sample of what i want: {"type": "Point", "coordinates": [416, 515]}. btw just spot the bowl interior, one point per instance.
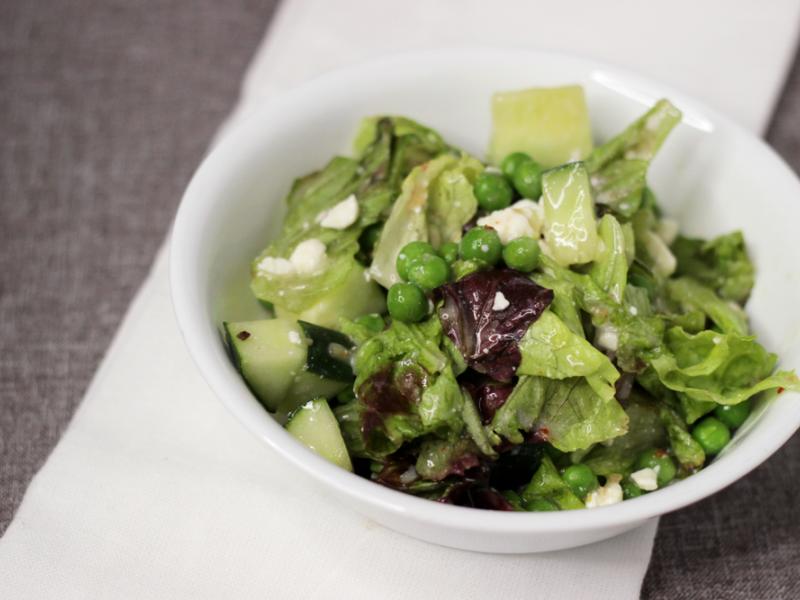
{"type": "Point", "coordinates": [710, 175]}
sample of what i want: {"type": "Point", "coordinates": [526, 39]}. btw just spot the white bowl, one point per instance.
{"type": "Point", "coordinates": [711, 174]}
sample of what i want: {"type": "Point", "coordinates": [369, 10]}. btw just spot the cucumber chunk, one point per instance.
{"type": "Point", "coordinates": [316, 427]}
{"type": "Point", "coordinates": [272, 355]}
{"type": "Point", "coordinates": [329, 352]}
{"type": "Point", "coordinates": [550, 124]}
{"type": "Point", "coordinates": [569, 221]}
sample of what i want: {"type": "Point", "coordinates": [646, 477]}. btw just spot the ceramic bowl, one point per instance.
{"type": "Point", "coordinates": [711, 175]}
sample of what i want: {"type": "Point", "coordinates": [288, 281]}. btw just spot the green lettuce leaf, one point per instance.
{"type": "Point", "coordinates": [687, 450]}
{"type": "Point", "coordinates": [439, 458]}
{"type": "Point", "coordinates": [549, 349]}
{"type": "Point", "coordinates": [435, 202]}
{"type": "Point", "coordinates": [645, 430]}
{"type": "Point", "coordinates": [719, 368]}
{"type": "Point", "coordinates": [693, 295]}
{"type": "Point", "coordinates": [610, 269]}
{"type": "Point", "coordinates": [722, 264]}
{"type": "Point", "coordinates": [520, 411]}
{"type": "Point", "coordinates": [619, 166]}
{"type": "Point", "coordinates": [548, 485]}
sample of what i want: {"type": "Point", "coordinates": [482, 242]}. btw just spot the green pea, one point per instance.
{"type": "Point", "coordinates": [528, 180]}
{"type": "Point", "coordinates": [428, 271]}
{"type": "Point", "coordinates": [712, 435]}
{"type": "Point", "coordinates": [407, 302]}
{"type": "Point", "coordinates": [409, 252]}
{"type": "Point", "coordinates": [449, 252]}
{"type": "Point", "coordinates": [482, 245]}
{"type": "Point", "coordinates": [492, 191]}
{"type": "Point", "coordinates": [733, 415]}
{"type": "Point", "coordinates": [580, 478]}
{"type": "Point", "coordinates": [540, 505]}
{"type": "Point", "coordinates": [631, 490]}
{"type": "Point", "coordinates": [660, 461]}
{"type": "Point", "coordinates": [374, 322]}
{"type": "Point", "coordinates": [522, 254]}
{"type": "Point", "coordinates": [512, 162]}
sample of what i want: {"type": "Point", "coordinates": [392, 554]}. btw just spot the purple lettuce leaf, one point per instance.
{"type": "Point", "coordinates": [488, 338]}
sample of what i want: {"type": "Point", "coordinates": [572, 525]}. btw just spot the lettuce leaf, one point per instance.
{"type": "Point", "coordinates": [435, 202]}
{"type": "Point", "coordinates": [548, 485]}
{"type": "Point", "coordinates": [549, 349]}
{"type": "Point", "coordinates": [693, 295]}
{"type": "Point", "coordinates": [610, 269]}
{"type": "Point", "coordinates": [519, 413]}
{"type": "Point", "coordinates": [687, 450]}
{"type": "Point", "coordinates": [722, 264]}
{"type": "Point", "coordinates": [717, 367]}
{"type": "Point", "coordinates": [619, 166]}
{"type": "Point", "coordinates": [645, 430]}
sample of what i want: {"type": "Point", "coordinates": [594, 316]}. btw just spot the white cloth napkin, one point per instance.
{"type": "Point", "coordinates": [156, 492]}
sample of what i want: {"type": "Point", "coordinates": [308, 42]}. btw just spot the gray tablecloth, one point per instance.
{"type": "Point", "coordinates": [105, 110]}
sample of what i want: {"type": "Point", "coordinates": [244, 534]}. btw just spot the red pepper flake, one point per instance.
{"type": "Point", "coordinates": [661, 453]}
{"type": "Point", "coordinates": [243, 335]}
{"type": "Point", "coordinates": [781, 390]}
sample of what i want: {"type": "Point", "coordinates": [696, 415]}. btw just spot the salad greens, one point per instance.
{"type": "Point", "coordinates": [534, 337]}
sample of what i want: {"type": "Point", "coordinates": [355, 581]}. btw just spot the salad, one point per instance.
{"type": "Point", "coordinates": [526, 333]}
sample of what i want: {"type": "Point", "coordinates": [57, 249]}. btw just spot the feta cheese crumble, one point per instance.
{"type": "Point", "coordinates": [606, 495]}
{"type": "Point", "coordinates": [523, 218]}
{"type": "Point", "coordinates": [606, 336]}
{"type": "Point", "coordinates": [308, 258]}
{"type": "Point", "coordinates": [295, 338]}
{"type": "Point", "coordinates": [341, 216]}
{"type": "Point", "coordinates": [500, 302]}
{"type": "Point", "coordinates": [647, 479]}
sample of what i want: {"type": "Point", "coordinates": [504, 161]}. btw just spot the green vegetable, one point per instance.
{"type": "Point", "coordinates": [407, 302]}
{"type": "Point", "coordinates": [619, 166]}
{"type": "Point", "coordinates": [522, 254]}
{"type": "Point", "coordinates": [550, 124]}
{"type": "Point", "coordinates": [581, 479]}
{"type": "Point", "coordinates": [659, 461]}
{"type": "Point", "coordinates": [689, 453]}
{"type": "Point", "coordinates": [570, 226]}
{"type": "Point", "coordinates": [538, 504]}
{"type": "Point", "coordinates": [549, 349]}
{"type": "Point", "coordinates": [521, 409]}
{"type": "Point", "coordinates": [411, 251]}
{"type": "Point", "coordinates": [512, 162]}
{"type": "Point", "coordinates": [631, 490]}
{"type": "Point", "coordinates": [712, 435]}
{"type": "Point", "coordinates": [644, 431]}
{"type": "Point", "coordinates": [610, 268]}
{"type": "Point", "coordinates": [449, 252]}
{"type": "Point", "coordinates": [733, 415]}
{"type": "Point", "coordinates": [718, 368]}
{"type": "Point", "coordinates": [528, 179]}
{"type": "Point", "coordinates": [436, 201]}
{"type": "Point", "coordinates": [481, 244]}
{"type": "Point", "coordinates": [547, 485]}
{"type": "Point", "coordinates": [436, 456]}
{"type": "Point", "coordinates": [441, 403]}
{"type": "Point", "coordinates": [373, 322]}
{"type": "Point", "coordinates": [315, 426]}
{"type": "Point", "coordinates": [722, 264]}
{"type": "Point", "coordinates": [493, 191]}
{"type": "Point", "coordinates": [428, 271]}
{"type": "Point", "coordinates": [692, 295]}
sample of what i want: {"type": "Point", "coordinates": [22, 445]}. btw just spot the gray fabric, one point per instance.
{"type": "Point", "coordinates": [105, 109]}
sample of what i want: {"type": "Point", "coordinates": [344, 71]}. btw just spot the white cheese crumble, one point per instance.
{"type": "Point", "coordinates": [341, 216]}
{"type": "Point", "coordinates": [610, 493]}
{"type": "Point", "coordinates": [308, 257]}
{"type": "Point", "coordinates": [647, 479]}
{"type": "Point", "coordinates": [493, 169]}
{"type": "Point", "coordinates": [295, 338]}
{"type": "Point", "coordinates": [523, 218]}
{"type": "Point", "coordinates": [500, 302]}
{"type": "Point", "coordinates": [633, 310]}
{"type": "Point", "coordinates": [606, 336]}
{"type": "Point", "coordinates": [663, 259]}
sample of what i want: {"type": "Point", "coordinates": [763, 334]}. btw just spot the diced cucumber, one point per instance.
{"type": "Point", "coordinates": [550, 124]}
{"type": "Point", "coordinates": [315, 426]}
{"type": "Point", "coordinates": [569, 221]}
{"type": "Point", "coordinates": [357, 295]}
{"type": "Point", "coordinates": [272, 356]}
{"type": "Point", "coordinates": [329, 352]}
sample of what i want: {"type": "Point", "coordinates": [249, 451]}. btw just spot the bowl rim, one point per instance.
{"type": "Point", "coordinates": [192, 323]}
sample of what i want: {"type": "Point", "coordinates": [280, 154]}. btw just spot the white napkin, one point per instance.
{"type": "Point", "coordinates": [156, 492]}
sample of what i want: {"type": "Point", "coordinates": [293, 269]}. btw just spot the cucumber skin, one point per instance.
{"type": "Point", "coordinates": [315, 426]}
